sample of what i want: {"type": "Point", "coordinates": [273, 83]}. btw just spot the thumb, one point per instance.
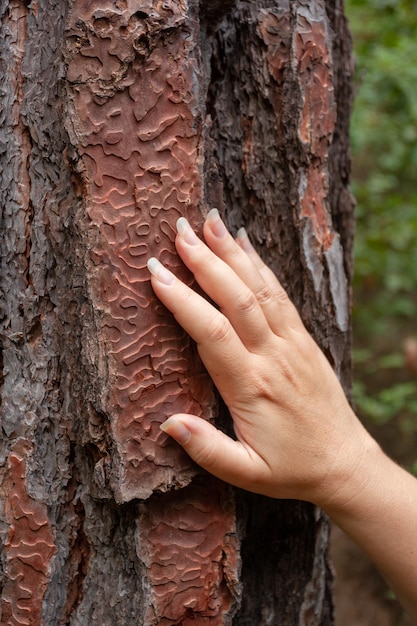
{"type": "Point", "coordinates": [214, 451]}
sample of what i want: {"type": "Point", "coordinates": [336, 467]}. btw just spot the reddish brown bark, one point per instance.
{"type": "Point", "coordinates": [118, 118]}
{"type": "Point", "coordinates": [134, 97]}
{"type": "Point", "coordinates": [28, 549]}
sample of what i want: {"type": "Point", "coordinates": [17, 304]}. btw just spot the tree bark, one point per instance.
{"type": "Point", "coordinates": [117, 118]}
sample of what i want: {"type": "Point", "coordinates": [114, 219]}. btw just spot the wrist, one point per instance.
{"type": "Point", "coordinates": [356, 477]}
{"type": "Point", "coordinates": [377, 507]}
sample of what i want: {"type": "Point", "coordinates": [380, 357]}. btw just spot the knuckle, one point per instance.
{"type": "Point", "coordinates": [264, 294]}
{"type": "Point", "coordinates": [281, 295]}
{"type": "Point", "coordinates": [218, 330]}
{"type": "Point", "coordinates": [246, 300]}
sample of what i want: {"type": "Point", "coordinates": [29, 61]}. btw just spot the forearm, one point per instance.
{"type": "Point", "coordinates": [381, 517]}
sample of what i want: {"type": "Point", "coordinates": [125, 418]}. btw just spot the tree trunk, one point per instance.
{"type": "Point", "coordinates": [118, 117]}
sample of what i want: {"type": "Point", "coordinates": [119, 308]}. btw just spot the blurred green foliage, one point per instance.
{"type": "Point", "coordinates": [384, 150]}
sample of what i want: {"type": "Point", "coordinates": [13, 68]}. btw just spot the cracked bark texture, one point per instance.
{"type": "Point", "coordinates": [117, 117]}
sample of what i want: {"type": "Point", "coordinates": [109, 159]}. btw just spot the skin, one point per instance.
{"type": "Point", "coordinates": [296, 434]}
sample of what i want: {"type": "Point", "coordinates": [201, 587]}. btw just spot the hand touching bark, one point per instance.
{"type": "Point", "coordinates": [292, 422]}
{"type": "Point", "coordinates": [296, 435]}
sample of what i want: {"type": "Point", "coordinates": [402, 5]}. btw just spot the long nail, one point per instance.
{"type": "Point", "coordinates": [184, 229]}
{"type": "Point", "coordinates": [160, 272]}
{"type": "Point", "coordinates": [243, 240]}
{"type": "Point", "coordinates": [216, 224]}
{"type": "Point", "coordinates": [176, 429]}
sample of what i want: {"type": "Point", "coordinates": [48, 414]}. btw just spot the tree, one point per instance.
{"type": "Point", "coordinates": [117, 118]}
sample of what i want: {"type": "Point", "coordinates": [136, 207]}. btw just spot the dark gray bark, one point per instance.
{"type": "Point", "coordinates": [117, 117]}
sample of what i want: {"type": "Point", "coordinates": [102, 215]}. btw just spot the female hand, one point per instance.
{"type": "Point", "coordinates": [294, 427]}
{"type": "Point", "coordinates": [296, 435]}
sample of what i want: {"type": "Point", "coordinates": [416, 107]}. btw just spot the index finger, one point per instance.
{"type": "Point", "coordinates": [220, 348]}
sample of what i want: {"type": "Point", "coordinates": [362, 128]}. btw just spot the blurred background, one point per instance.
{"type": "Point", "coordinates": [384, 151]}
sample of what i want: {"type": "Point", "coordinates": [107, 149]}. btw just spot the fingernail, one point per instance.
{"type": "Point", "coordinates": [216, 223]}
{"type": "Point", "coordinates": [243, 240]}
{"type": "Point", "coordinates": [160, 272]}
{"type": "Point", "coordinates": [177, 430]}
{"type": "Point", "coordinates": [186, 232]}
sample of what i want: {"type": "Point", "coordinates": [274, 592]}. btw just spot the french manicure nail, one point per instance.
{"type": "Point", "coordinates": [216, 223]}
{"type": "Point", "coordinates": [243, 240]}
{"type": "Point", "coordinates": [186, 232]}
{"type": "Point", "coordinates": [177, 430]}
{"type": "Point", "coordinates": [160, 272]}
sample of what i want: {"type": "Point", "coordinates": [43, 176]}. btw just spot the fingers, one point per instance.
{"type": "Point", "coordinates": [217, 453]}
{"type": "Point", "coordinates": [219, 280]}
{"type": "Point", "coordinates": [235, 277]}
{"type": "Point", "coordinates": [241, 256]}
{"type": "Point", "coordinates": [279, 310]}
{"type": "Point", "coordinates": [219, 346]}
{"type": "Point", "coordinates": [225, 247]}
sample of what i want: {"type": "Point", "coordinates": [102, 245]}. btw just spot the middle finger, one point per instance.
{"type": "Point", "coordinates": [235, 299]}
